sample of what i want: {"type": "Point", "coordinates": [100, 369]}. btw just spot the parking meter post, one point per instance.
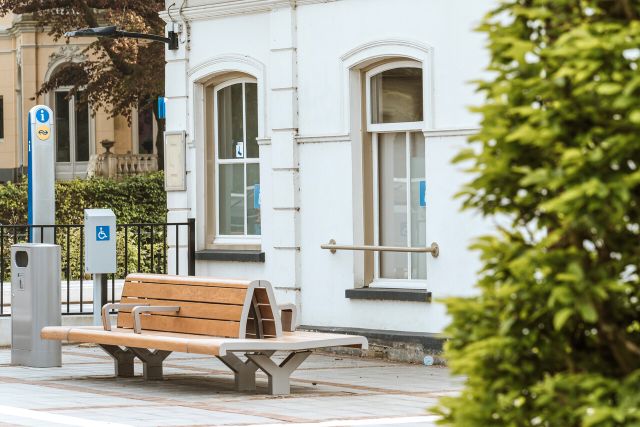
{"type": "Point", "coordinates": [100, 291]}
{"type": "Point", "coordinates": [100, 254]}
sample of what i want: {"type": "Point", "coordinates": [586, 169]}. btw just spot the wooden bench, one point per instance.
{"type": "Point", "coordinates": [160, 314]}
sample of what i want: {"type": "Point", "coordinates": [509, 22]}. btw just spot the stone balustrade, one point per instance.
{"type": "Point", "coordinates": [110, 165]}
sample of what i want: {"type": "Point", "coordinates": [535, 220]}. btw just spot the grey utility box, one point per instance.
{"type": "Point", "coordinates": [100, 241]}
{"type": "Point", "coordinates": [35, 303]}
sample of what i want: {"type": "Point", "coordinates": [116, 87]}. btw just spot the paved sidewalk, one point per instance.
{"type": "Point", "coordinates": [327, 390]}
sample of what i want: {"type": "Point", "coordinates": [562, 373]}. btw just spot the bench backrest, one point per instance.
{"type": "Point", "coordinates": [208, 306]}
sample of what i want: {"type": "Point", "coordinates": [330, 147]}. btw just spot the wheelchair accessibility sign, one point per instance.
{"type": "Point", "coordinates": [102, 233]}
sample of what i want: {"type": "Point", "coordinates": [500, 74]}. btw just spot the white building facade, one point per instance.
{"type": "Point", "coordinates": [316, 120]}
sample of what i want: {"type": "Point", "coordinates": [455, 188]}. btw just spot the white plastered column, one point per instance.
{"type": "Point", "coordinates": [283, 107]}
{"type": "Point", "coordinates": [176, 94]}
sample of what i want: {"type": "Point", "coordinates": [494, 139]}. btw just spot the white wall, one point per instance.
{"type": "Point", "coordinates": [314, 59]}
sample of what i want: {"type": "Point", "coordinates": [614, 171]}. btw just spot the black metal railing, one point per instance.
{"type": "Point", "coordinates": [141, 248]}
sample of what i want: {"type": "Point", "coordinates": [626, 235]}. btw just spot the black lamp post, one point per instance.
{"type": "Point", "coordinates": [113, 32]}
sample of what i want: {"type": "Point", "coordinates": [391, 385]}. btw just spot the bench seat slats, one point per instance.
{"type": "Point", "coordinates": [203, 301]}
{"type": "Point", "coordinates": [189, 280]}
{"type": "Point", "coordinates": [185, 325]}
{"type": "Point", "coordinates": [189, 343]}
{"type": "Point", "coordinates": [185, 293]}
{"type": "Point", "coordinates": [191, 309]}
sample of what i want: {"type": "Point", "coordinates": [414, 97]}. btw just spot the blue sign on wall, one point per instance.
{"type": "Point", "coordinates": [42, 115]}
{"type": "Point", "coordinates": [162, 108]}
{"type": "Point", "coordinates": [423, 193]}
{"type": "Point", "coordinates": [102, 233]}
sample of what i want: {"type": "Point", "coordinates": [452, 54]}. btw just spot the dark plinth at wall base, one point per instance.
{"type": "Point", "coordinates": [389, 294]}
{"type": "Point", "coordinates": [228, 255]}
{"type": "Point", "coordinates": [399, 346]}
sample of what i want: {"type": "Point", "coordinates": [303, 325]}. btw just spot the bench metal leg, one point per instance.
{"type": "Point", "coordinates": [279, 374]}
{"type": "Point", "coordinates": [244, 371]}
{"type": "Point", "coordinates": [123, 359]}
{"type": "Point", "coordinates": [151, 362]}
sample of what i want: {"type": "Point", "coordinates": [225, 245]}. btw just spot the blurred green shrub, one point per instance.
{"type": "Point", "coordinates": [136, 199]}
{"type": "Point", "coordinates": [553, 336]}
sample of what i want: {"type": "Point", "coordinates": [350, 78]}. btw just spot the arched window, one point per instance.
{"type": "Point", "coordinates": [73, 124]}
{"type": "Point", "coordinates": [395, 120]}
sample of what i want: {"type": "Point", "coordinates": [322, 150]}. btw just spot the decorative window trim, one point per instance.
{"type": "Point", "coordinates": [353, 64]}
{"type": "Point", "coordinates": [65, 55]}
{"type": "Point", "coordinates": [200, 78]}
{"type": "Point", "coordinates": [371, 52]}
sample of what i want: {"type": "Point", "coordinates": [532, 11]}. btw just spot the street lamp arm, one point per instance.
{"type": "Point", "coordinates": [113, 32]}
{"type": "Point", "coordinates": [154, 37]}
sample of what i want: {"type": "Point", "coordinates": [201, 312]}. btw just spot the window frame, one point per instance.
{"type": "Point", "coordinates": [374, 130]}
{"type": "Point", "coordinates": [227, 239]}
{"type": "Point", "coordinates": [72, 130]}
{"type": "Point", "coordinates": [392, 127]}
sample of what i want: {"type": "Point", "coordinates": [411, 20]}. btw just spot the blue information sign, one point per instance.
{"type": "Point", "coordinates": [102, 233]}
{"type": "Point", "coordinates": [42, 115]}
{"type": "Point", "coordinates": [423, 193]}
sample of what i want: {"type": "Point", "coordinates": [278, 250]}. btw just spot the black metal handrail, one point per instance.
{"type": "Point", "coordinates": [142, 247]}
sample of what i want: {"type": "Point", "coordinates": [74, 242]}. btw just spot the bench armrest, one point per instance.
{"type": "Point", "coordinates": [288, 317]}
{"type": "Point", "coordinates": [106, 324]}
{"type": "Point", "coordinates": [137, 327]}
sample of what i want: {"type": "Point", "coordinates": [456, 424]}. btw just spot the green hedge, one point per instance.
{"type": "Point", "coordinates": [138, 198]}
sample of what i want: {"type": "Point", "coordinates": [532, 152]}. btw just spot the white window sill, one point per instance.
{"type": "Point", "coordinates": [398, 284]}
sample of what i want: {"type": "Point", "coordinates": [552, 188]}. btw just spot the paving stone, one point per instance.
{"type": "Point", "coordinates": [199, 390]}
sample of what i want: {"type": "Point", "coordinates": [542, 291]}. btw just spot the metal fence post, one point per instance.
{"type": "Point", "coordinates": [192, 247]}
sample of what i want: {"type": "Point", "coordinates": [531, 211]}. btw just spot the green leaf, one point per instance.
{"type": "Point", "coordinates": [609, 88]}
{"type": "Point", "coordinates": [634, 116]}
{"type": "Point", "coordinates": [561, 317]}
{"type": "Point", "coordinates": [587, 312]}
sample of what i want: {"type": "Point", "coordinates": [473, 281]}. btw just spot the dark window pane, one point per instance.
{"type": "Point", "coordinates": [230, 122]}
{"type": "Point", "coordinates": [145, 130]}
{"type": "Point", "coordinates": [63, 153]}
{"type": "Point", "coordinates": [251, 103]}
{"type": "Point", "coordinates": [396, 96]}
{"type": "Point", "coordinates": [82, 131]}
{"type": "Point", "coordinates": [231, 199]}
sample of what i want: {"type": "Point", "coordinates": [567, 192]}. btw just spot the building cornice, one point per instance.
{"type": "Point", "coordinates": [213, 9]}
